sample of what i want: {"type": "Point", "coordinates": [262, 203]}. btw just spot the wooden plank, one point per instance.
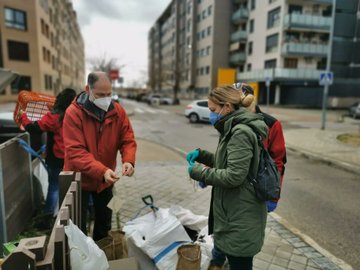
{"type": "Point", "coordinates": [69, 202]}
{"type": "Point", "coordinates": [65, 179]}
{"type": "Point", "coordinates": [74, 191]}
{"type": "Point", "coordinates": [78, 182]}
{"type": "Point", "coordinates": [60, 244]}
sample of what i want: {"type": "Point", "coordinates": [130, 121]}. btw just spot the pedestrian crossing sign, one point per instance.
{"type": "Point", "coordinates": [326, 78]}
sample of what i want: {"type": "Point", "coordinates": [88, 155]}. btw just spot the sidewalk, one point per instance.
{"type": "Point", "coordinates": [166, 179]}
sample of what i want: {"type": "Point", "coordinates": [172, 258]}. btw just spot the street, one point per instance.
{"type": "Point", "coordinates": [320, 200]}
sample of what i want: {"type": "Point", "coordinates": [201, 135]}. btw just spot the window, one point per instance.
{"type": "Point", "coordinates": [48, 82]}
{"type": "Point", "coordinates": [270, 63]}
{"type": "Point", "coordinates": [273, 18]}
{"type": "Point", "coordinates": [250, 47]}
{"type": "Point", "coordinates": [272, 43]}
{"type": "Point", "coordinates": [15, 18]}
{"type": "Point", "coordinates": [22, 83]}
{"type": "Point", "coordinates": [251, 26]}
{"type": "Point", "coordinates": [209, 31]}
{"type": "Point", "coordinates": [296, 9]}
{"type": "Point", "coordinates": [203, 33]}
{"type": "Point", "coordinates": [290, 63]}
{"type": "Point", "coordinates": [209, 10]}
{"type": "Point", "coordinates": [18, 50]}
{"type": "Point", "coordinates": [252, 5]}
{"type": "Point", "coordinates": [208, 50]}
{"type": "Point", "coordinates": [202, 103]}
{"type": "Point", "coordinates": [203, 15]}
{"type": "Point", "coordinates": [207, 71]}
{"type": "Point", "coordinates": [188, 25]}
{"type": "Point", "coordinates": [249, 67]}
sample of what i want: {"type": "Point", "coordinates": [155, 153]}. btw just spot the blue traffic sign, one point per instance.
{"type": "Point", "coordinates": [326, 78]}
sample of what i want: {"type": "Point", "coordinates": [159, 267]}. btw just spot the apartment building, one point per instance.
{"type": "Point", "coordinates": [284, 42]}
{"type": "Point", "coordinates": [42, 42]}
{"type": "Point", "coordinates": [187, 45]}
{"type": "Point", "coordinates": [287, 44]}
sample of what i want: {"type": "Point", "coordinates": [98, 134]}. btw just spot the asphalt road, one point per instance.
{"type": "Point", "coordinates": [321, 201]}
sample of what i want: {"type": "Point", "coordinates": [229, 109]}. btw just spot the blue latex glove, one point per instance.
{"type": "Point", "coordinates": [202, 184]}
{"type": "Point", "coordinates": [192, 156]}
{"type": "Point", "coordinates": [271, 206]}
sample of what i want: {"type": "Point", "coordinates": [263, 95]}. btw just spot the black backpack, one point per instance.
{"type": "Point", "coordinates": [267, 182]}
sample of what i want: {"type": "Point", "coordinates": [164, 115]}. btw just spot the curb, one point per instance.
{"type": "Point", "coordinates": [339, 164]}
{"type": "Point", "coordinates": [309, 241]}
{"type": "Point", "coordinates": [306, 239]}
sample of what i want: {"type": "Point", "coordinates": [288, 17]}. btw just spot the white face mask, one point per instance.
{"type": "Point", "coordinates": [102, 103]}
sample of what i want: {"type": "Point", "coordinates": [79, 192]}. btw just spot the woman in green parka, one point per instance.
{"type": "Point", "coordinates": [237, 218]}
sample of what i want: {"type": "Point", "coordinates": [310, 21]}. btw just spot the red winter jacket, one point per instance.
{"type": "Point", "coordinates": [275, 142]}
{"type": "Point", "coordinates": [50, 122]}
{"type": "Point", "coordinates": [92, 139]}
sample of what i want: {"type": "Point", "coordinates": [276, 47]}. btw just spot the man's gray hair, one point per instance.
{"type": "Point", "coordinates": [92, 79]}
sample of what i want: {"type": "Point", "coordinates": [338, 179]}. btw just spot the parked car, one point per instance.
{"type": "Point", "coordinates": [159, 99]}
{"type": "Point", "coordinates": [354, 110]}
{"type": "Point", "coordinates": [198, 111]}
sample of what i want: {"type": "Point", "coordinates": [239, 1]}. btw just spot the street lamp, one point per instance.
{"type": "Point", "coordinates": [328, 63]}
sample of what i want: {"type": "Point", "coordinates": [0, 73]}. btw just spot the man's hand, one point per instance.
{"type": "Point", "coordinates": [110, 176]}
{"type": "Point", "coordinates": [127, 169]}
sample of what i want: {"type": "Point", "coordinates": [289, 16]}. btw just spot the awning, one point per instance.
{"type": "Point", "coordinates": [6, 77]}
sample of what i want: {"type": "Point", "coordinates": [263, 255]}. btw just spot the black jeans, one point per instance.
{"type": "Point", "coordinates": [236, 263]}
{"type": "Point", "coordinates": [103, 214]}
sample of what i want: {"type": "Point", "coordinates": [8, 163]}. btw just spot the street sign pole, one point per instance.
{"type": "Point", "coordinates": [267, 83]}
{"type": "Point", "coordinates": [328, 62]}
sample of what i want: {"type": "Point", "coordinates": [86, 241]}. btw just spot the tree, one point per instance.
{"type": "Point", "coordinates": [102, 63]}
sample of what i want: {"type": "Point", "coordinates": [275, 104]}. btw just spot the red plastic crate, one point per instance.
{"type": "Point", "coordinates": [34, 104]}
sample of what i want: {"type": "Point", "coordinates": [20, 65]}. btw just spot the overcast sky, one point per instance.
{"type": "Point", "coordinates": [119, 29]}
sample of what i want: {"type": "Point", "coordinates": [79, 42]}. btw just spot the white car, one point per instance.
{"type": "Point", "coordinates": [198, 111]}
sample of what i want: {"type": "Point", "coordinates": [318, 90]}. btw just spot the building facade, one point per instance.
{"type": "Point", "coordinates": [284, 42]}
{"type": "Point", "coordinates": [288, 44]}
{"type": "Point", "coordinates": [182, 46]}
{"type": "Point", "coordinates": [41, 41]}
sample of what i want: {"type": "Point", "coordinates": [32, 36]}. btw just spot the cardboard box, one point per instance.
{"type": "Point", "coordinates": [124, 264]}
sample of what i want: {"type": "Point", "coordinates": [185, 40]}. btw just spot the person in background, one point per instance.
{"type": "Point", "coordinates": [52, 123]}
{"type": "Point", "coordinates": [237, 219]}
{"type": "Point", "coordinates": [95, 129]}
{"type": "Point", "coordinates": [274, 142]}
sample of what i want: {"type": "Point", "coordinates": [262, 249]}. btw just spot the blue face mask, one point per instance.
{"type": "Point", "coordinates": [214, 117]}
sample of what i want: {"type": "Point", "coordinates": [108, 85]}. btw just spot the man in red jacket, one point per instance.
{"type": "Point", "coordinates": [274, 142]}
{"type": "Point", "coordinates": [95, 128]}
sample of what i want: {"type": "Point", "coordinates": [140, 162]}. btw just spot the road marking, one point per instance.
{"type": "Point", "coordinates": [148, 110]}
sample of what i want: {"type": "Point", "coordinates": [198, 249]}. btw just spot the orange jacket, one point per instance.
{"type": "Point", "coordinates": [91, 145]}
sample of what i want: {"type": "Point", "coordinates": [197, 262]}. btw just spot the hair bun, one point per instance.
{"type": "Point", "coordinates": [246, 101]}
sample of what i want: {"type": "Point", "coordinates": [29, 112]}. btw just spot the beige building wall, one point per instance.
{"type": "Point", "coordinates": [56, 48]}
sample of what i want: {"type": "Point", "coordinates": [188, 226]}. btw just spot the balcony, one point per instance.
{"type": "Point", "coordinates": [280, 74]}
{"type": "Point", "coordinates": [239, 1]}
{"type": "Point", "coordinates": [239, 36]}
{"type": "Point", "coordinates": [237, 58]}
{"type": "Point", "coordinates": [310, 22]}
{"type": "Point", "coordinates": [304, 49]}
{"type": "Point", "coordinates": [241, 15]}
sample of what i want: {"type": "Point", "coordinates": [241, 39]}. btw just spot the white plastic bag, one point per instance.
{"type": "Point", "coordinates": [84, 253]}
{"type": "Point", "coordinates": [188, 219]}
{"type": "Point", "coordinates": [206, 243]}
{"type": "Point", "coordinates": [158, 236]}
{"type": "Point", "coordinates": [41, 174]}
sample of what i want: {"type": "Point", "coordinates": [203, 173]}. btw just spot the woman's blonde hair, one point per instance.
{"type": "Point", "coordinates": [228, 93]}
